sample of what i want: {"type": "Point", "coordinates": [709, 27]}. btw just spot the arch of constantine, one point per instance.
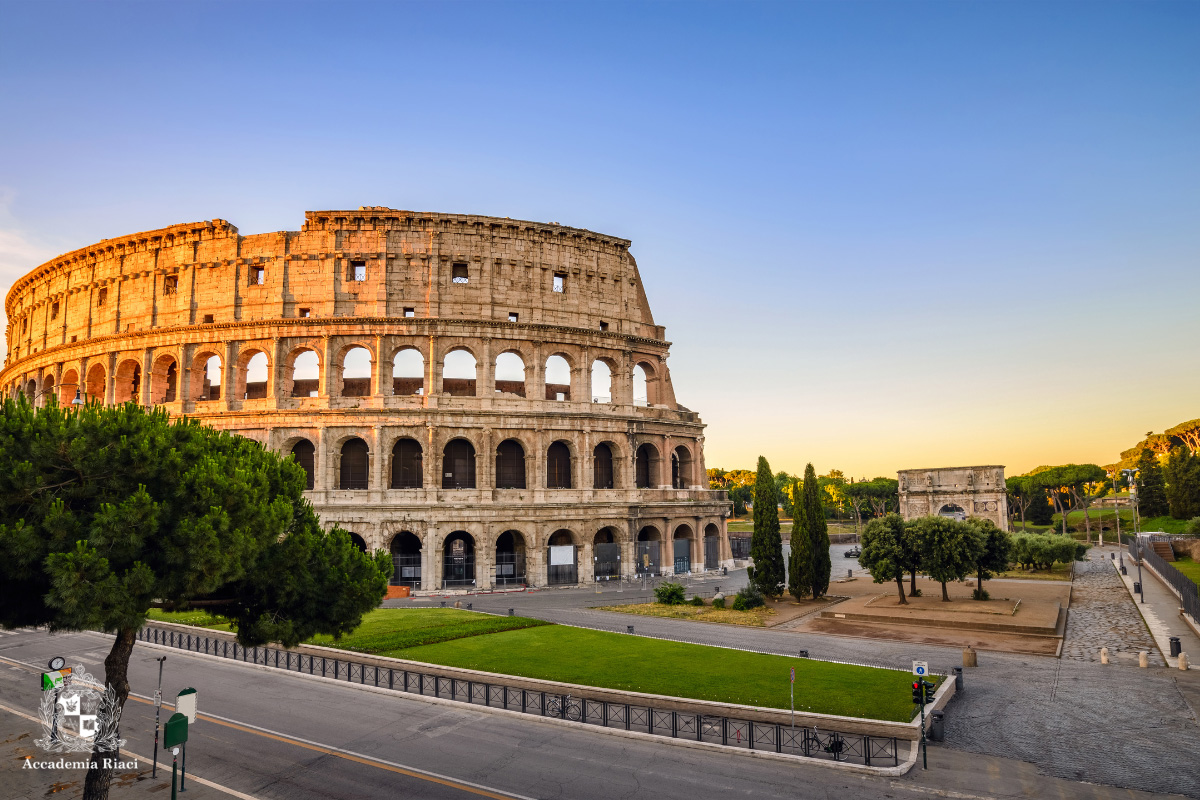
{"type": "Point", "coordinates": [487, 398]}
{"type": "Point", "coordinates": [955, 492]}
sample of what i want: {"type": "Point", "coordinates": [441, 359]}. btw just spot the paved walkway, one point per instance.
{"type": "Point", "coordinates": [1159, 607]}
{"type": "Point", "coordinates": [1102, 615]}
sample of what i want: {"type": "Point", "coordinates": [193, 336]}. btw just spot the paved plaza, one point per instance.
{"type": "Point", "coordinates": [1102, 615]}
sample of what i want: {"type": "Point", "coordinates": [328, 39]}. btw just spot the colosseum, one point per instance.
{"type": "Point", "coordinates": [487, 398]}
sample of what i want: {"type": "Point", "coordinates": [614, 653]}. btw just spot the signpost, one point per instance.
{"type": "Point", "coordinates": [792, 692]}
{"type": "Point", "coordinates": [185, 703]}
{"type": "Point", "coordinates": [920, 692]}
{"type": "Point", "coordinates": [175, 733]}
{"type": "Point", "coordinates": [157, 709]}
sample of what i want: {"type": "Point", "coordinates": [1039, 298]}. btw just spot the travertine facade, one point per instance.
{"type": "Point", "coordinates": [487, 398]}
{"type": "Point", "coordinates": [957, 492]}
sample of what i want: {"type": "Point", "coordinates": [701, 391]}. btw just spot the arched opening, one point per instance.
{"type": "Point", "coordinates": [355, 464]}
{"type": "Point", "coordinates": [357, 541]}
{"type": "Point", "coordinates": [458, 374]}
{"type": "Point", "coordinates": [606, 555]}
{"type": "Point", "coordinates": [95, 383]}
{"type": "Point", "coordinates": [164, 380]}
{"type": "Point", "coordinates": [510, 559]}
{"type": "Point", "coordinates": [458, 563]}
{"type": "Point", "coordinates": [601, 382]}
{"type": "Point", "coordinates": [641, 396]}
{"type": "Point", "coordinates": [31, 389]}
{"type": "Point", "coordinates": [712, 546]}
{"type": "Point", "coordinates": [562, 566]}
{"type": "Point", "coordinates": [558, 466]}
{"type": "Point", "coordinates": [209, 388]}
{"type": "Point", "coordinates": [648, 551]}
{"type": "Point", "coordinates": [646, 466]}
{"type": "Point", "coordinates": [128, 386]}
{"type": "Point", "coordinates": [683, 549]}
{"type": "Point", "coordinates": [953, 511]}
{"type": "Point", "coordinates": [510, 465]}
{"type": "Point", "coordinates": [68, 387]}
{"type": "Point", "coordinates": [681, 468]}
{"type": "Point", "coordinates": [407, 465]}
{"type": "Point", "coordinates": [306, 456]}
{"type": "Point", "coordinates": [406, 560]}
{"type": "Point", "coordinates": [458, 465]}
{"type": "Point", "coordinates": [356, 372]}
{"type": "Point", "coordinates": [408, 373]}
{"type": "Point", "coordinates": [306, 374]}
{"type": "Point", "coordinates": [47, 393]}
{"type": "Point", "coordinates": [510, 374]}
{"type": "Point", "coordinates": [558, 378]}
{"type": "Point", "coordinates": [602, 467]}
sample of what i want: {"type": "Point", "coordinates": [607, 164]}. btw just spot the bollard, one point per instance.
{"type": "Point", "coordinates": [1103, 655]}
{"type": "Point", "coordinates": [937, 726]}
{"type": "Point", "coordinates": [970, 657]}
{"type": "Point", "coordinates": [458, 603]}
{"type": "Point", "coordinates": [1175, 646]}
{"type": "Point", "coordinates": [803, 654]}
{"type": "Point", "coordinates": [469, 606]}
{"type": "Point", "coordinates": [1183, 662]}
{"type": "Point", "coordinates": [1137, 587]}
{"type": "Point", "coordinates": [443, 604]}
{"type": "Point", "coordinates": [958, 679]}
{"type": "Point", "coordinates": [629, 628]}
{"type": "Point", "coordinates": [1143, 659]}
{"type": "Point", "coordinates": [849, 573]}
{"type": "Point", "coordinates": [1124, 571]}
{"type": "Point", "coordinates": [1113, 556]}
{"type": "Point", "coordinates": [510, 612]}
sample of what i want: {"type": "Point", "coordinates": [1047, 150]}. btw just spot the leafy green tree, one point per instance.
{"type": "Point", "coordinates": [800, 555]}
{"type": "Point", "coordinates": [1041, 512]}
{"type": "Point", "coordinates": [995, 555]}
{"type": "Point", "coordinates": [817, 532]}
{"type": "Point", "coordinates": [1151, 486]}
{"type": "Point", "coordinates": [783, 490]}
{"type": "Point", "coordinates": [1087, 482]}
{"type": "Point", "coordinates": [107, 512]}
{"type": "Point", "coordinates": [1023, 491]}
{"type": "Point", "coordinates": [1182, 473]}
{"type": "Point", "coordinates": [856, 497]}
{"type": "Point", "coordinates": [1188, 433]}
{"type": "Point", "coordinates": [951, 549]}
{"type": "Point", "coordinates": [739, 496]}
{"type": "Point", "coordinates": [883, 495]}
{"type": "Point", "coordinates": [766, 544]}
{"type": "Point", "coordinates": [883, 549]}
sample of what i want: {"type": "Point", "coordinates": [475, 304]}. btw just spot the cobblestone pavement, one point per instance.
{"type": "Point", "coordinates": [1116, 725]}
{"type": "Point", "coordinates": [1103, 615]}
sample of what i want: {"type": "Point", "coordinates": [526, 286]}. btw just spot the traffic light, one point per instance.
{"type": "Point", "coordinates": [930, 691]}
{"type": "Point", "coordinates": [916, 689]}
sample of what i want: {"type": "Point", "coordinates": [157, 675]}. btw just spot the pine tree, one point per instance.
{"type": "Point", "coordinates": [800, 578]}
{"type": "Point", "coordinates": [766, 545]}
{"type": "Point", "coordinates": [818, 533]}
{"type": "Point", "coordinates": [1151, 486]}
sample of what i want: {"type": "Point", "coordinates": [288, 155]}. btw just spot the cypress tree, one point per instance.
{"type": "Point", "coordinates": [1151, 486]}
{"type": "Point", "coordinates": [766, 545]}
{"type": "Point", "coordinates": [818, 533]}
{"type": "Point", "coordinates": [800, 577]}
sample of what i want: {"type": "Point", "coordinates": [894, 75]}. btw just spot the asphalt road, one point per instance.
{"type": "Point", "coordinates": [280, 735]}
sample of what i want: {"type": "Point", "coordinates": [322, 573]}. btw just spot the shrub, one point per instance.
{"type": "Point", "coordinates": [749, 598]}
{"type": "Point", "coordinates": [718, 602]}
{"type": "Point", "coordinates": [697, 601]}
{"type": "Point", "coordinates": [670, 594]}
{"type": "Point", "coordinates": [981, 594]}
{"type": "Point", "coordinates": [1193, 527]}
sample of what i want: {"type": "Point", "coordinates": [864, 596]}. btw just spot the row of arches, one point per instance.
{"type": "Point", "coordinates": [457, 467]}
{"type": "Point", "coordinates": [302, 377]}
{"type": "Point", "coordinates": [566, 557]}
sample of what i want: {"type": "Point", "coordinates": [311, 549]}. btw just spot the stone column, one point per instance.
{"type": "Point", "coordinates": [147, 377]}
{"type": "Point", "coordinates": [110, 379]}
{"type": "Point", "coordinates": [433, 369]}
{"type": "Point", "coordinates": [535, 375]}
{"type": "Point", "coordinates": [583, 558]}
{"type": "Point", "coordinates": [375, 465]}
{"type": "Point", "coordinates": [383, 370]}
{"type": "Point", "coordinates": [275, 373]}
{"type": "Point", "coordinates": [229, 377]}
{"type": "Point", "coordinates": [485, 384]}
{"type": "Point", "coordinates": [485, 554]}
{"type": "Point", "coordinates": [321, 465]}
{"type": "Point", "coordinates": [329, 373]}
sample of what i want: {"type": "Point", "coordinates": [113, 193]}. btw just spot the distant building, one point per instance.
{"type": "Point", "coordinates": [955, 492]}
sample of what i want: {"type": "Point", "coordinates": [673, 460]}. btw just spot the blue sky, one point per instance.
{"type": "Point", "coordinates": [881, 235]}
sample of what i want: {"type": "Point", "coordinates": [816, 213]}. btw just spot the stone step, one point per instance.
{"type": "Point", "coordinates": [1163, 550]}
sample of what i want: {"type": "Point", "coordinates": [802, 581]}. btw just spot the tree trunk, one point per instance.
{"type": "Point", "coordinates": [945, 594]}
{"type": "Point", "coordinates": [979, 587]}
{"type": "Point", "coordinates": [900, 587]}
{"type": "Point", "coordinates": [912, 588]}
{"type": "Point", "coordinates": [116, 675]}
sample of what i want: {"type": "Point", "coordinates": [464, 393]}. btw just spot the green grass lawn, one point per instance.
{"type": "Point", "coordinates": [1189, 568]}
{"type": "Point", "coordinates": [1057, 572]}
{"type": "Point", "coordinates": [534, 649]}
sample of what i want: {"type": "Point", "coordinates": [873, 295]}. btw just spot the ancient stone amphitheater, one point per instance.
{"type": "Point", "coordinates": [486, 398]}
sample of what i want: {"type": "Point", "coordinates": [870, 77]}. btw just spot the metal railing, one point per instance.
{"type": "Point", "coordinates": [727, 731]}
{"type": "Point", "coordinates": [1189, 596]}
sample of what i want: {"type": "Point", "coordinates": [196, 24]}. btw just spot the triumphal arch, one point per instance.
{"type": "Point", "coordinates": [956, 492]}
{"type": "Point", "coordinates": [488, 399]}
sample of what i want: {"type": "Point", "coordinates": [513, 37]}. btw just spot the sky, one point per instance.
{"type": "Point", "coordinates": [880, 235]}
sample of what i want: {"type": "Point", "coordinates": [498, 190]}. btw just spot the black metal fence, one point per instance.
{"type": "Point", "coordinates": [1189, 597]}
{"type": "Point", "coordinates": [830, 745]}
{"type": "Point", "coordinates": [740, 546]}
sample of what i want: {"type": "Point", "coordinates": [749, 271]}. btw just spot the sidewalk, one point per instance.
{"type": "Point", "coordinates": [1161, 610]}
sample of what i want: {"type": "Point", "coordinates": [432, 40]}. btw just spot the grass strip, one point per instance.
{"type": "Point", "coordinates": [756, 618]}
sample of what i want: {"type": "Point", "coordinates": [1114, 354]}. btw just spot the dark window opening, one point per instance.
{"type": "Point", "coordinates": [74, 338]}
{"type": "Point", "coordinates": [306, 456]}
{"type": "Point", "coordinates": [643, 471]}
{"type": "Point", "coordinates": [410, 312]}
{"type": "Point", "coordinates": [102, 297]}
{"type": "Point", "coordinates": [406, 560]}
{"type": "Point", "coordinates": [458, 561]}
{"type": "Point", "coordinates": [172, 382]}
{"type": "Point", "coordinates": [258, 276]}
{"type": "Point", "coordinates": [355, 460]}
{"type": "Point", "coordinates": [512, 316]}
{"type": "Point", "coordinates": [603, 326]}
{"type": "Point", "coordinates": [510, 465]}
{"type": "Point", "coordinates": [54, 310]}
{"type": "Point", "coordinates": [602, 467]}
{"type": "Point", "coordinates": [458, 465]}
{"type": "Point", "coordinates": [560, 282]}
{"type": "Point", "coordinates": [510, 558]}
{"type": "Point", "coordinates": [558, 466]}
{"type": "Point", "coordinates": [407, 465]}
{"type": "Point", "coordinates": [305, 313]}
{"type": "Point", "coordinates": [458, 273]}
{"type": "Point", "coordinates": [208, 318]}
{"type": "Point", "coordinates": [359, 270]}
{"type": "Point", "coordinates": [170, 285]}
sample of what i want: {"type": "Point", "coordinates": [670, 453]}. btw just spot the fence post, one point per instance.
{"type": "Point", "coordinates": [627, 716]}
{"type": "Point", "coordinates": [725, 730]}
{"type": "Point", "coordinates": [867, 750]}
{"type": "Point", "coordinates": [674, 724]}
{"type": "Point", "coordinates": [751, 736]}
